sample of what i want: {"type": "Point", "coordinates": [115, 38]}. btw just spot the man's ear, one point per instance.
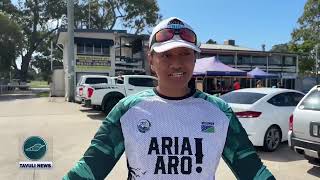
{"type": "Point", "coordinates": [196, 55]}
{"type": "Point", "coordinates": [150, 61]}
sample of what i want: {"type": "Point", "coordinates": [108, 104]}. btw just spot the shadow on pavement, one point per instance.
{"type": "Point", "coordinates": [282, 154]}
{"type": "Point", "coordinates": [89, 110]}
{"type": "Point", "coordinates": [97, 116]}
{"type": "Point", "coordinates": [93, 113]}
{"type": "Point", "coordinates": [315, 171]}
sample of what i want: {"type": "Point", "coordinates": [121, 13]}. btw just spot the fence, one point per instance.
{"type": "Point", "coordinates": [6, 88]}
{"type": "Point", "coordinates": [10, 88]}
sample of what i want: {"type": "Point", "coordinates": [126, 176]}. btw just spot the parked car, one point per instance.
{"type": "Point", "coordinates": [304, 123]}
{"type": "Point", "coordinates": [264, 113]}
{"type": "Point", "coordinates": [89, 88]}
{"type": "Point", "coordinates": [86, 80]}
{"type": "Point", "coordinates": [106, 96]}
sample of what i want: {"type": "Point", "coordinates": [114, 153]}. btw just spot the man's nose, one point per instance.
{"type": "Point", "coordinates": [176, 63]}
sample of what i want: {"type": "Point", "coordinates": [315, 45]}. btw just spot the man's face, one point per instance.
{"type": "Point", "coordinates": [174, 68]}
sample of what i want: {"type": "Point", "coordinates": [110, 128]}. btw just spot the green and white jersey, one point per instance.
{"type": "Point", "coordinates": [170, 138]}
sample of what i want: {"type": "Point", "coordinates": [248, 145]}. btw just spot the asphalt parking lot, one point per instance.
{"type": "Point", "coordinates": [69, 128]}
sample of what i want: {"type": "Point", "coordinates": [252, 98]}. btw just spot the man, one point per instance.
{"type": "Point", "coordinates": [172, 131]}
{"type": "Point", "coordinates": [279, 85]}
{"type": "Point", "coordinates": [259, 84]}
{"type": "Point", "coordinates": [236, 84]}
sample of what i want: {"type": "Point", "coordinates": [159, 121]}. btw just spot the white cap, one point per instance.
{"type": "Point", "coordinates": [176, 41]}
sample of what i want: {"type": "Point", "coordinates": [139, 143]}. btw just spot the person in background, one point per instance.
{"type": "Point", "coordinates": [279, 85]}
{"type": "Point", "coordinates": [236, 85]}
{"type": "Point", "coordinates": [259, 84]}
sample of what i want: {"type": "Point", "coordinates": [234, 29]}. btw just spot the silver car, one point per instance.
{"type": "Point", "coordinates": [304, 127]}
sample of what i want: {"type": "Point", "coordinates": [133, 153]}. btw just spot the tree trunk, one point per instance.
{"type": "Point", "coordinates": [25, 66]}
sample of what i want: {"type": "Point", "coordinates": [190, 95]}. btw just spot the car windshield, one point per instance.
{"type": "Point", "coordinates": [242, 97]}
{"type": "Point", "coordinates": [312, 101]}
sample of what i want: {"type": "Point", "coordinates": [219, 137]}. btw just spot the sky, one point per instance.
{"type": "Point", "coordinates": [250, 23]}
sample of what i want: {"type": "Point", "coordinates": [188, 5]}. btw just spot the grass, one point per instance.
{"type": "Point", "coordinates": [38, 84]}
{"type": "Point", "coordinates": [43, 94]}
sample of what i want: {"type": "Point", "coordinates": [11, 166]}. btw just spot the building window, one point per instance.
{"type": "Point", "coordinates": [93, 47]}
{"type": "Point", "coordinates": [97, 49]}
{"type": "Point", "coordinates": [275, 60]}
{"type": "Point", "coordinates": [289, 61]}
{"type": "Point", "coordinates": [246, 60]}
{"type": "Point", "coordinates": [203, 55]}
{"type": "Point", "coordinates": [226, 59]}
{"type": "Point", "coordinates": [105, 50]}
{"type": "Point", "coordinates": [259, 60]}
{"type": "Point", "coordinates": [89, 48]}
{"type": "Point", "coordinates": [80, 48]}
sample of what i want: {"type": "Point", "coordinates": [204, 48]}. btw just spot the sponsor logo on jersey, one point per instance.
{"type": "Point", "coordinates": [207, 127]}
{"type": "Point", "coordinates": [144, 125]}
{"type": "Point", "coordinates": [176, 155]}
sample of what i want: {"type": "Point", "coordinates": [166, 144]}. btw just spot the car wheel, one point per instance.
{"type": "Point", "coordinates": [272, 139]}
{"type": "Point", "coordinates": [110, 103]}
{"type": "Point", "coordinates": [312, 160]}
{"type": "Point", "coordinates": [97, 108]}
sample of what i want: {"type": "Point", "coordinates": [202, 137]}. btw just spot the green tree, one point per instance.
{"type": "Point", "coordinates": [284, 48]}
{"type": "Point", "coordinates": [8, 7]}
{"type": "Point", "coordinates": [307, 35]}
{"type": "Point", "coordinates": [43, 66]}
{"type": "Point", "coordinates": [309, 23]}
{"type": "Point", "coordinates": [10, 44]}
{"type": "Point", "coordinates": [40, 19]}
{"type": "Point", "coordinates": [42, 61]}
{"type": "Point", "coordinates": [133, 15]}
{"type": "Point", "coordinates": [211, 41]}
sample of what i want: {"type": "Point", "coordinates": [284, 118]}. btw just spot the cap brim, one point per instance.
{"type": "Point", "coordinates": [166, 46]}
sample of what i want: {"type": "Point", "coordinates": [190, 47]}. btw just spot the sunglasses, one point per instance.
{"type": "Point", "coordinates": [167, 34]}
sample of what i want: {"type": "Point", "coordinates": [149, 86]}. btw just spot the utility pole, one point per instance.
{"type": "Point", "coordinates": [89, 14]}
{"type": "Point", "coordinates": [51, 58]}
{"type": "Point", "coordinates": [70, 88]}
{"type": "Point", "coordinates": [317, 63]}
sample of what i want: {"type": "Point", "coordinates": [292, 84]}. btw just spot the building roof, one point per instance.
{"type": "Point", "coordinates": [94, 30]}
{"type": "Point", "coordinates": [62, 34]}
{"type": "Point", "coordinates": [225, 47]}
{"type": "Point", "coordinates": [231, 48]}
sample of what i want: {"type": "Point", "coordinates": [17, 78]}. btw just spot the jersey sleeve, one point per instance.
{"type": "Point", "coordinates": [105, 149]}
{"type": "Point", "coordinates": [239, 153]}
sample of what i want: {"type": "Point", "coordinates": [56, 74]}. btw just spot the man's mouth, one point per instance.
{"type": "Point", "coordinates": [177, 74]}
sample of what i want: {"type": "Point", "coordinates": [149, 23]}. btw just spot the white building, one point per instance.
{"type": "Point", "coordinates": [105, 52]}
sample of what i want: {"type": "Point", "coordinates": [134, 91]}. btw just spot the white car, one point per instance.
{"type": "Point", "coordinates": [107, 96]}
{"type": "Point", "coordinates": [88, 80]}
{"type": "Point", "coordinates": [264, 113]}
{"type": "Point", "coordinates": [304, 133]}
